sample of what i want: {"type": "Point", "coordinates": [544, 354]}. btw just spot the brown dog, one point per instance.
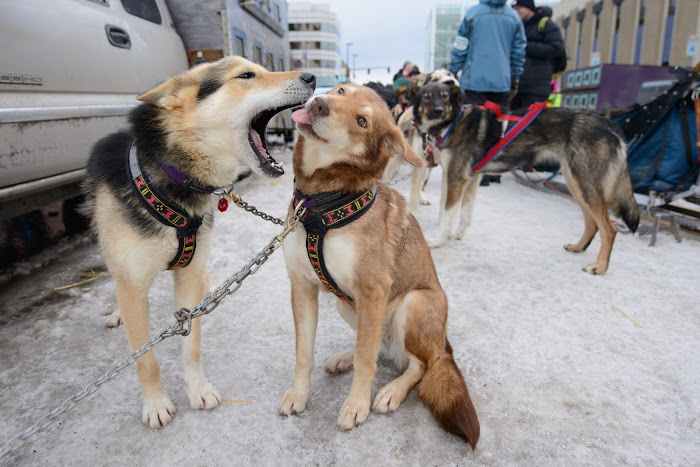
{"type": "Point", "coordinates": [378, 265]}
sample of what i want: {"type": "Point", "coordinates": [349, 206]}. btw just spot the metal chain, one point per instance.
{"type": "Point", "coordinates": [184, 317]}
{"type": "Point", "coordinates": [242, 204]}
{"type": "Point", "coordinates": [395, 181]}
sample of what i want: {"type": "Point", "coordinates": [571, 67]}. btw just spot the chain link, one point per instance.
{"type": "Point", "coordinates": [397, 180]}
{"type": "Point", "coordinates": [182, 326]}
{"type": "Point", "coordinates": [242, 204]}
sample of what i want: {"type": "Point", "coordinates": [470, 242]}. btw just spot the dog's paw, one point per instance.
{"type": "Point", "coordinates": [205, 396]}
{"type": "Point", "coordinates": [595, 269]}
{"type": "Point", "coordinates": [340, 362]}
{"type": "Point", "coordinates": [352, 413]}
{"type": "Point", "coordinates": [157, 411]}
{"type": "Point", "coordinates": [388, 399]}
{"type": "Point", "coordinates": [293, 402]}
{"type": "Point", "coordinates": [114, 319]}
{"type": "Point", "coordinates": [573, 248]}
{"type": "Point", "coordinates": [433, 243]}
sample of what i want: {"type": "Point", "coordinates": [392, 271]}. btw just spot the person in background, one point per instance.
{"type": "Point", "coordinates": [400, 87]}
{"type": "Point", "coordinates": [489, 51]}
{"type": "Point", "coordinates": [544, 42]}
{"type": "Point", "coordinates": [405, 71]}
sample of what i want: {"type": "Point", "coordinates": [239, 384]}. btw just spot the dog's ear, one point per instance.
{"type": "Point", "coordinates": [397, 145]}
{"type": "Point", "coordinates": [164, 95]}
{"type": "Point", "coordinates": [412, 91]}
{"type": "Point", "coordinates": [456, 93]}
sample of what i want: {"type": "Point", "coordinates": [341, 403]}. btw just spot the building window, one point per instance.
{"type": "Point", "coordinates": [312, 45]}
{"type": "Point", "coordinates": [668, 35]}
{"type": "Point", "coordinates": [278, 15]}
{"type": "Point", "coordinates": [324, 27]}
{"type": "Point", "coordinates": [640, 33]}
{"type": "Point", "coordinates": [269, 62]}
{"type": "Point", "coordinates": [257, 54]}
{"type": "Point", "coordinates": [281, 65]}
{"type": "Point", "coordinates": [579, 17]}
{"type": "Point", "coordinates": [597, 7]}
{"type": "Point", "coordinates": [239, 43]}
{"type": "Point", "coordinates": [146, 9]}
{"type": "Point", "coordinates": [616, 34]}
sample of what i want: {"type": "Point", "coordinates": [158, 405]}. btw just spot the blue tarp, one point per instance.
{"type": "Point", "coordinates": [652, 168]}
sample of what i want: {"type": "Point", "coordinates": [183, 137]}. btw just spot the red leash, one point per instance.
{"type": "Point", "coordinates": [532, 112]}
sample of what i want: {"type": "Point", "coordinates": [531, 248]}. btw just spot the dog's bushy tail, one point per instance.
{"type": "Point", "coordinates": [444, 391]}
{"type": "Point", "coordinates": [624, 204]}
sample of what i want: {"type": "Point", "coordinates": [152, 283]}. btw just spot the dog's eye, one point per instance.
{"type": "Point", "coordinates": [341, 91]}
{"type": "Point", "coordinates": [444, 95]}
{"type": "Point", "coordinates": [426, 98]}
{"type": "Point", "coordinates": [246, 75]}
{"type": "Point", "coordinates": [362, 122]}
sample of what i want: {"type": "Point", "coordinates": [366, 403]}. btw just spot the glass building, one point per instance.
{"type": "Point", "coordinates": [442, 27]}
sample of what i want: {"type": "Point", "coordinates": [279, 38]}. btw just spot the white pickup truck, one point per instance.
{"type": "Point", "coordinates": [69, 73]}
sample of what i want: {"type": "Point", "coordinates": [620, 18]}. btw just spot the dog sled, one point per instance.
{"type": "Point", "coordinates": [664, 156]}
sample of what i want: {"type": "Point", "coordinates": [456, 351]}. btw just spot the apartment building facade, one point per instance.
{"type": "Point", "coordinates": [629, 32]}
{"type": "Point", "coordinates": [314, 39]}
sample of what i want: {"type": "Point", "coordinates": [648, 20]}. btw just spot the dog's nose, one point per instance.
{"type": "Point", "coordinates": [436, 112]}
{"type": "Point", "coordinates": [319, 106]}
{"type": "Point", "coordinates": [309, 79]}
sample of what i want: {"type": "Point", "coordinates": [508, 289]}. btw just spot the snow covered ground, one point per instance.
{"type": "Point", "coordinates": [564, 368]}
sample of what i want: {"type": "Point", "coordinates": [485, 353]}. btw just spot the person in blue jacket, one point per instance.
{"type": "Point", "coordinates": [489, 50]}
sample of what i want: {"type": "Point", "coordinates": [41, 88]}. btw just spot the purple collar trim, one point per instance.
{"type": "Point", "coordinates": [183, 180]}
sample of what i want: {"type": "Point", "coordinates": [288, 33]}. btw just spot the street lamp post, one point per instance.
{"type": "Point", "coordinates": [347, 56]}
{"type": "Point", "coordinates": [354, 56]}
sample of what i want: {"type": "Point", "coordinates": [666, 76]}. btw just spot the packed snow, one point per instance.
{"type": "Point", "coordinates": [564, 368]}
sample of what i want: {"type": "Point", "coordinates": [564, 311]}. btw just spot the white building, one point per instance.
{"type": "Point", "coordinates": [442, 27]}
{"type": "Point", "coordinates": [314, 39]}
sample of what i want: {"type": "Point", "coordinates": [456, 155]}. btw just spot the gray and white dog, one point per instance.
{"type": "Point", "coordinates": [588, 147]}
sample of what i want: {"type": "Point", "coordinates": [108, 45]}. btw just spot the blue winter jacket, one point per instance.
{"type": "Point", "coordinates": [489, 47]}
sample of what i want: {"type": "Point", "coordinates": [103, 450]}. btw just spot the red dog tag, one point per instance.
{"type": "Point", "coordinates": [222, 205]}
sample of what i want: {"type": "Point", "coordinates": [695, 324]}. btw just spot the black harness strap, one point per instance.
{"type": "Point", "coordinates": [330, 211]}
{"type": "Point", "coordinates": [165, 211]}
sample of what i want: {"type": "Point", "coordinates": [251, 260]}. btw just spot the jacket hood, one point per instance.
{"type": "Point", "coordinates": [493, 2]}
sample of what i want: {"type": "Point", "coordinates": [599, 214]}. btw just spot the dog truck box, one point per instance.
{"type": "Point", "coordinates": [70, 72]}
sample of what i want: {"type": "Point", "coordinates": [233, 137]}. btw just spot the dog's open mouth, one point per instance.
{"type": "Point", "coordinates": [256, 137]}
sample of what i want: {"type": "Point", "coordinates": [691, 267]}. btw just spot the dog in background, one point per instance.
{"type": "Point", "coordinates": [589, 148]}
{"type": "Point", "coordinates": [419, 175]}
{"type": "Point", "coordinates": [377, 264]}
{"type": "Point", "coordinates": [149, 196]}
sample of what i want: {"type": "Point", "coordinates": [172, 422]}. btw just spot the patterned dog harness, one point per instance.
{"type": "Point", "coordinates": [165, 211]}
{"type": "Point", "coordinates": [330, 211]}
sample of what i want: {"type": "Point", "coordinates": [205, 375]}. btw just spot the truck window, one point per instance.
{"type": "Point", "coordinates": [146, 9]}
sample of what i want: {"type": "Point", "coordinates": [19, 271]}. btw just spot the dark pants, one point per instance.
{"type": "Point", "coordinates": [523, 101]}
{"type": "Point", "coordinates": [480, 98]}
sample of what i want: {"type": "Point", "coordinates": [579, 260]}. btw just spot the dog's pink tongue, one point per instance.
{"type": "Point", "coordinates": [301, 116]}
{"type": "Point", "coordinates": [258, 143]}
